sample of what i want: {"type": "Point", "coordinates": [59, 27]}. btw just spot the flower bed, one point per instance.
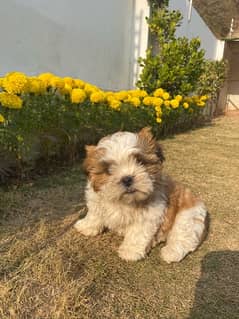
{"type": "Point", "coordinates": [45, 116]}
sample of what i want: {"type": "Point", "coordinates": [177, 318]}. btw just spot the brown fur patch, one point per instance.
{"type": "Point", "coordinates": [179, 198]}
{"type": "Point", "coordinates": [96, 170]}
{"type": "Point", "coordinates": [151, 154]}
{"type": "Point", "coordinates": [150, 147]}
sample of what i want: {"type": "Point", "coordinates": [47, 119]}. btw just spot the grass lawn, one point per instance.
{"type": "Point", "coordinates": [48, 271]}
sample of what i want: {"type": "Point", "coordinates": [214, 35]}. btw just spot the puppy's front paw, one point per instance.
{"type": "Point", "coordinates": [170, 256]}
{"type": "Point", "coordinates": [85, 228]}
{"type": "Point", "coordinates": [130, 253]}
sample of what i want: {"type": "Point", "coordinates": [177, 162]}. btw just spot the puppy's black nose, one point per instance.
{"type": "Point", "coordinates": [127, 181]}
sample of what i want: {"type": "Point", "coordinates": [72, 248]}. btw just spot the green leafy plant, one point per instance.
{"type": "Point", "coordinates": [174, 64]}
{"type": "Point", "coordinates": [212, 79]}
{"type": "Point", "coordinates": [155, 4]}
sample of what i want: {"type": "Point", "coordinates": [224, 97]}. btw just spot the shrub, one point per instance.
{"type": "Point", "coordinates": [212, 79]}
{"type": "Point", "coordinates": [174, 64]}
{"type": "Point", "coordinates": [47, 116]}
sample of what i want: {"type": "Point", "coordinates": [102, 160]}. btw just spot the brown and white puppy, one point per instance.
{"type": "Point", "coordinates": [128, 193]}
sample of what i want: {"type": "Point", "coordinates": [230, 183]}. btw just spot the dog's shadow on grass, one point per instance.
{"type": "Point", "coordinates": [217, 290]}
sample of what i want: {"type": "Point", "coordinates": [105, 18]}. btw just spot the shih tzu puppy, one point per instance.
{"type": "Point", "coordinates": [128, 193]}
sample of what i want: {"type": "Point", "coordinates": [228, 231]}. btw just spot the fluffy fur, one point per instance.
{"type": "Point", "coordinates": [128, 193]}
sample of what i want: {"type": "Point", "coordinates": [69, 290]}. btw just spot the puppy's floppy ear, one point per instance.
{"type": "Point", "coordinates": [146, 132]}
{"type": "Point", "coordinates": [94, 167]}
{"type": "Point", "coordinates": [88, 163]}
{"type": "Point", "coordinates": [146, 137]}
{"type": "Point", "coordinates": [149, 144]}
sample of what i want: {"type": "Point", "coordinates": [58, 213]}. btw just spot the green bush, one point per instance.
{"type": "Point", "coordinates": [49, 125]}
{"type": "Point", "coordinates": [212, 79]}
{"type": "Point", "coordinates": [172, 63]}
{"type": "Point", "coordinates": [47, 117]}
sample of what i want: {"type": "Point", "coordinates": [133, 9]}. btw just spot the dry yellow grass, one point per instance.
{"type": "Point", "coordinates": [49, 273]}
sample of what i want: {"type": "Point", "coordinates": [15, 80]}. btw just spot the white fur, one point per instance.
{"type": "Point", "coordinates": [119, 145]}
{"type": "Point", "coordinates": [119, 149]}
{"type": "Point", "coordinates": [137, 225]}
{"type": "Point", "coordinates": [186, 233]}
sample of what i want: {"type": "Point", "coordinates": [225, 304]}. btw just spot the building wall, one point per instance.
{"type": "Point", "coordinates": [97, 41]}
{"type": "Point", "coordinates": [194, 26]}
{"type": "Point", "coordinates": [232, 83]}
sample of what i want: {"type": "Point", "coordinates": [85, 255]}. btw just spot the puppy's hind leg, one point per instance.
{"type": "Point", "coordinates": [186, 234]}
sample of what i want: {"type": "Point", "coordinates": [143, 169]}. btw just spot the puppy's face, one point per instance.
{"type": "Point", "coordinates": [125, 166]}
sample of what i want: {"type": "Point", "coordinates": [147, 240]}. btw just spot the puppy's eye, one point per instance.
{"type": "Point", "coordinates": [106, 167]}
{"type": "Point", "coordinates": [140, 159]}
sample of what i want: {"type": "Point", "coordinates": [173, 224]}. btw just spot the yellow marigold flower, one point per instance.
{"type": "Point", "coordinates": [15, 83]}
{"type": "Point", "coordinates": [79, 83]}
{"type": "Point", "coordinates": [114, 104]}
{"type": "Point", "coordinates": [166, 96]}
{"type": "Point", "coordinates": [174, 103]}
{"type": "Point", "coordinates": [122, 95]}
{"type": "Point", "coordinates": [167, 103]}
{"type": "Point", "coordinates": [36, 86]}
{"type": "Point", "coordinates": [142, 93]}
{"type": "Point", "coordinates": [97, 97]}
{"type": "Point", "coordinates": [132, 92]}
{"type": "Point", "coordinates": [1, 82]}
{"type": "Point", "coordinates": [135, 101]}
{"type": "Point", "coordinates": [158, 110]}
{"type": "Point", "coordinates": [178, 98]}
{"type": "Point", "coordinates": [201, 103]}
{"type": "Point", "coordinates": [10, 100]}
{"type": "Point", "coordinates": [204, 98]}
{"type": "Point", "coordinates": [137, 93]}
{"type": "Point", "coordinates": [110, 93]}
{"type": "Point", "coordinates": [148, 100]}
{"type": "Point", "coordinates": [158, 120]}
{"type": "Point", "coordinates": [157, 101]}
{"type": "Point", "coordinates": [185, 105]}
{"type": "Point", "coordinates": [57, 82]}
{"type": "Point", "coordinates": [46, 78]}
{"type": "Point", "coordinates": [110, 96]}
{"type": "Point", "coordinates": [78, 96]}
{"type": "Point", "coordinates": [67, 89]}
{"type": "Point", "coordinates": [159, 92]}
{"type": "Point", "coordinates": [2, 119]}
{"type": "Point", "coordinates": [68, 80]}
{"type": "Point", "coordinates": [89, 88]}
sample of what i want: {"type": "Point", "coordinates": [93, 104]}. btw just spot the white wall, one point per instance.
{"type": "Point", "coordinates": [196, 27]}
{"type": "Point", "coordinates": [97, 41]}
